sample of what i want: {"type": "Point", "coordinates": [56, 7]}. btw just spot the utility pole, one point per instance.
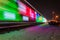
{"type": "Point", "coordinates": [53, 15]}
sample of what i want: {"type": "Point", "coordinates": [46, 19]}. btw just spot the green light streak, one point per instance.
{"type": "Point", "coordinates": [40, 19]}
{"type": "Point", "coordinates": [12, 8]}
{"type": "Point", "coordinates": [10, 3]}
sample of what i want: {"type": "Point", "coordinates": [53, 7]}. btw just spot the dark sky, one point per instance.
{"type": "Point", "coordinates": [46, 7]}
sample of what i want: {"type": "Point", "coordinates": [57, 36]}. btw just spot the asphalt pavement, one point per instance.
{"type": "Point", "coordinates": [38, 32]}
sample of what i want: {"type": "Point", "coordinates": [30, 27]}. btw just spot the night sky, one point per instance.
{"type": "Point", "coordinates": [46, 7]}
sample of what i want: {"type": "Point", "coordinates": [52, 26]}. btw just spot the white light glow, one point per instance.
{"type": "Point", "coordinates": [9, 15]}
{"type": "Point", "coordinates": [25, 18]}
{"type": "Point", "coordinates": [45, 20]}
{"type": "Point", "coordinates": [22, 7]}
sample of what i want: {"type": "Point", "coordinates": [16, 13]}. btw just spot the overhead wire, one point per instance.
{"type": "Point", "coordinates": [33, 7]}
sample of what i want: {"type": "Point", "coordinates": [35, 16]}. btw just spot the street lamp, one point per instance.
{"type": "Point", "coordinates": [57, 16]}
